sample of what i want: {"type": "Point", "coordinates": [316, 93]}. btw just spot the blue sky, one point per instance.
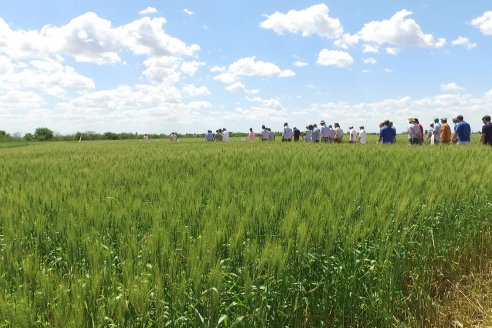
{"type": "Point", "coordinates": [190, 66]}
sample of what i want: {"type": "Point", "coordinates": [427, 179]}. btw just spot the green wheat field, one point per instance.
{"type": "Point", "coordinates": [196, 234]}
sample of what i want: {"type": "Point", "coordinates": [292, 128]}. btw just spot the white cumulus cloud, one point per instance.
{"type": "Point", "coordinates": [464, 42]}
{"type": "Point", "coordinates": [334, 58]}
{"type": "Point", "coordinates": [190, 68]}
{"type": "Point", "coordinates": [299, 63]}
{"type": "Point", "coordinates": [369, 61]}
{"type": "Point", "coordinates": [194, 91]}
{"type": "Point", "coordinates": [188, 12]}
{"type": "Point", "coordinates": [240, 87]}
{"type": "Point", "coordinates": [314, 20]}
{"type": "Point", "coordinates": [451, 87]}
{"type": "Point", "coordinates": [148, 11]}
{"type": "Point", "coordinates": [249, 67]}
{"type": "Point", "coordinates": [484, 23]}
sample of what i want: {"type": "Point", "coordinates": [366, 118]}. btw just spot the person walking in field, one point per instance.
{"type": "Point", "coordinates": [287, 133]}
{"type": "Point", "coordinates": [352, 135]}
{"type": "Point", "coordinates": [209, 136]}
{"type": "Point", "coordinates": [251, 135]}
{"type": "Point", "coordinates": [413, 132]}
{"type": "Point", "coordinates": [486, 136]}
{"type": "Point", "coordinates": [338, 133]}
{"type": "Point", "coordinates": [362, 135]}
{"type": "Point", "coordinates": [264, 133]}
{"type": "Point", "coordinates": [437, 132]}
{"type": "Point", "coordinates": [387, 134]}
{"type": "Point", "coordinates": [445, 132]}
{"type": "Point", "coordinates": [462, 131]}
{"type": "Point", "coordinates": [173, 137]}
{"type": "Point", "coordinates": [297, 134]}
{"type": "Point", "coordinates": [325, 132]}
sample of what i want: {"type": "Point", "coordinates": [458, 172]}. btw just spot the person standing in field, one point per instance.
{"type": "Point", "coordinates": [332, 134]}
{"type": "Point", "coordinates": [352, 135]}
{"type": "Point", "coordinates": [251, 135]}
{"type": "Point", "coordinates": [430, 134]}
{"type": "Point", "coordinates": [264, 133]}
{"type": "Point", "coordinates": [325, 132]}
{"type": "Point", "coordinates": [486, 136]}
{"type": "Point", "coordinates": [297, 134]}
{"type": "Point", "coordinates": [362, 135]}
{"type": "Point", "coordinates": [308, 136]}
{"type": "Point", "coordinates": [394, 129]}
{"type": "Point", "coordinates": [421, 128]}
{"type": "Point", "coordinates": [225, 135]}
{"type": "Point", "coordinates": [218, 135]}
{"type": "Point", "coordinates": [271, 135]}
{"type": "Point", "coordinates": [437, 131]}
{"type": "Point", "coordinates": [146, 137]}
{"type": "Point", "coordinates": [413, 131]}
{"type": "Point", "coordinates": [338, 133]}
{"type": "Point", "coordinates": [316, 133]}
{"type": "Point", "coordinates": [173, 137]}
{"type": "Point", "coordinates": [387, 134]}
{"type": "Point", "coordinates": [445, 133]}
{"type": "Point", "coordinates": [462, 131]}
{"type": "Point", "coordinates": [209, 136]}
{"type": "Point", "coordinates": [287, 133]}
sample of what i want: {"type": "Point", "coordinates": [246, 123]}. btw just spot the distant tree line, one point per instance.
{"type": "Point", "coordinates": [46, 134]}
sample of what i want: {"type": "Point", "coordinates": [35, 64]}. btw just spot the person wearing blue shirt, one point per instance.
{"type": "Point", "coordinates": [462, 131]}
{"type": "Point", "coordinates": [387, 134]}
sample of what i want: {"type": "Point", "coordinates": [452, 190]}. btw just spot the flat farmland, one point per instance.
{"type": "Point", "coordinates": [196, 234]}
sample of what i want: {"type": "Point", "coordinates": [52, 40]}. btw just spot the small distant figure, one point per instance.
{"type": "Point", "coordinates": [271, 135]}
{"type": "Point", "coordinates": [251, 135]}
{"type": "Point", "coordinates": [225, 135]}
{"type": "Point", "coordinates": [316, 133]}
{"type": "Point", "coordinates": [173, 137]}
{"type": "Point", "coordinates": [387, 134]}
{"type": "Point", "coordinates": [297, 134]}
{"type": "Point", "coordinates": [362, 135]}
{"type": "Point", "coordinates": [146, 137]}
{"type": "Point", "coordinates": [352, 135]}
{"type": "Point", "coordinates": [445, 133]}
{"type": "Point", "coordinates": [218, 135]}
{"type": "Point", "coordinates": [421, 128]}
{"type": "Point", "coordinates": [333, 134]}
{"type": "Point", "coordinates": [462, 131]}
{"type": "Point", "coordinates": [287, 133]}
{"type": "Point", "coordinates": [413, 132]}
{"type": "Point", "coordinates": [264, 133]}
{"type": "Point", "coordinates": [308, 135]}
{"type": "Point", "coordinates": [430, 134]}
{"type": "Point", "coordinates": [338, 133]}
{"type": "Point", "coordinates": [209, 136]}
{"type": "Point", "coordinates": [437, 131]}
{"type": "Point", "coordinates": [325, 132]}
{"type": "Point", "coordinates": [486, 136]}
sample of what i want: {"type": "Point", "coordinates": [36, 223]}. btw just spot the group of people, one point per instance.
{"type": "Point", "coordinates": [439, 133]}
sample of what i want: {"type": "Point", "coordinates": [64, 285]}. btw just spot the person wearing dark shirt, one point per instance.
{"type": "Point", "coordinates": [486, 136]}
{"type": "Point", "coordinates": [387, 134]}
{"type": "Point", "coordinates": [297, 133]}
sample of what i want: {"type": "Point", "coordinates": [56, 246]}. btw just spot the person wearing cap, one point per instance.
{"type": "Point", "coordinates": [286, 133]}
{"type": "Point", "coordinates": [325, 132]}
{"type": "Point", "coordinates": [413, 131]}
{"type": "Point", "coordinates": [362, 135]}
{"type": "Point", "coordinates": [462, 132]}
{"type": "Point", "coordinates": [352, 135]}
{"type": "Point", "coordinates": [209, 136]}
{"type": "Point", "coordinates": [297, 134]}
{"type": "Point", "coordinates": [445, 133]}
{"type": "Point", "coordinates": [251, 135]}
{"type": "Point", "coordinates": [486, 136]}
{"type": "Point", "coordinates": [436, 132]}
{"type": "Point", "coordinates": [387, 134]}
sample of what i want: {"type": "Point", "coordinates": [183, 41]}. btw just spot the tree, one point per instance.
{"type": "Point", "coordinates": [28, 137]}
{"type": "Point", "coordinates": [43, 134]}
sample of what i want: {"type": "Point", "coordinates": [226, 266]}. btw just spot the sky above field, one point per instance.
{"type": "Point", "coordinates": [189, 66]}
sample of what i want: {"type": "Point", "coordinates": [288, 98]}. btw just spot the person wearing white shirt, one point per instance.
{"type": "Point", "coordinates": [362, 135]}
{"type": "Point", "coordinates": [333, 134]}
{"type": "Point", "coordinates": [325, 132]}
{"type": "Point", "coordinates": [338, 133]}
{"type": "Point", "coordinates": [352, 135]}
{"type": "Point", "coordinates": [264, 133]}
{"type": "Point", "coordinates": [287, 133]}
{"type": "Point", "coordinates": [225, 135]}
{"type": "Point", "coordinates": [308, 137]}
